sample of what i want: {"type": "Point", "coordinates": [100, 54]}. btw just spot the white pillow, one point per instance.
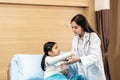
{"type": "Point", "coordinates": [26, 67]}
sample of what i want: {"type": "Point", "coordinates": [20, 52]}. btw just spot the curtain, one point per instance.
{"type": "Point", "coordinates": [102, 25]}
{"type": "Point", "coordinates": [114, 47]}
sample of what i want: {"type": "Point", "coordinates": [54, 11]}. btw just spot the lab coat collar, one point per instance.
{"type": "Point", "coordinates": [85, 38]}
{"type": "Point", "coordinates": [85, 35]}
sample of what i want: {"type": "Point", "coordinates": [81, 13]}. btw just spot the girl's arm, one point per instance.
{"type": "Point", "coordinates": [58, 58]}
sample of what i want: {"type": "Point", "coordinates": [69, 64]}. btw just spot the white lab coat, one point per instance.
{"type": "Point", "coordinates": [89, 51]}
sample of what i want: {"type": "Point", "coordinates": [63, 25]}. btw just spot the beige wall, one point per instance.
{"type": "Point", "coordinates": [25, 26]}
{"type": "Point", "coordinates": [114, 48]}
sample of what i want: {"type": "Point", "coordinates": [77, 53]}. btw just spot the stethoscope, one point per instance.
{"type": "Point", "coordinates": [86, 43]}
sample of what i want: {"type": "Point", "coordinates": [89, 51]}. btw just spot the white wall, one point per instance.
{"type": "Point", "coordinates": [102, 4]}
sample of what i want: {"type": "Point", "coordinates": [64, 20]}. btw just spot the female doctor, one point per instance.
{"type": "Point", "coordinates": [86, 45]}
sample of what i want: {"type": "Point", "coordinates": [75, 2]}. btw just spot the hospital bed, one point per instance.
{"type": "Point", "coordinates": [26, 67]}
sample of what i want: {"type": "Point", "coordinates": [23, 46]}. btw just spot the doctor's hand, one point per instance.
{"type": "Point", "coordinates": [73, 59]}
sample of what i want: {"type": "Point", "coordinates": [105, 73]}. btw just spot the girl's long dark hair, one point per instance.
{"type": "Point", "coordinates": [47, 47]}
{"type": "Point", "coordinates": [80, 20]}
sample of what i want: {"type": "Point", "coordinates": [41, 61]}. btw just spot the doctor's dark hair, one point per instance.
{"type": "Point", "coordinates": [80, 20]}
{"type": "Point", "coordinates": [47, 47]}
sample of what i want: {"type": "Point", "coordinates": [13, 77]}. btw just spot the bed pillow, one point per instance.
{"type": "Point", "coordinates": [28, 67]}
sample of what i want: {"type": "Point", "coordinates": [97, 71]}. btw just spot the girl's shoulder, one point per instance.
{"type": "Point", "coordinates": [47, 58]}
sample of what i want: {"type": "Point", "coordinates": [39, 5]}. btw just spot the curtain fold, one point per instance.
{"type": "Point", "coordinates": [102, 26]}
{"type": "Point", "coordinates": [102, 20]}
{"type": "Point", "coordinates": [114, 47]}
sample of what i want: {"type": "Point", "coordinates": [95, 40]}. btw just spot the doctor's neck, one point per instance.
{"type": "Point", "coordinates": [82, 35]}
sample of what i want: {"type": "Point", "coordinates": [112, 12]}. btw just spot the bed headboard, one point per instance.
{"type": "Point", "coordinates": [25, 25]}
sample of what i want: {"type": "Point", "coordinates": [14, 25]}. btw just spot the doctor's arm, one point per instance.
{"type": "Point", "coordinates": [94, 53]}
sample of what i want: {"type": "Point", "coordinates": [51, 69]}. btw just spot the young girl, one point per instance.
{"type": "Point", "coordinates": [52, 62]}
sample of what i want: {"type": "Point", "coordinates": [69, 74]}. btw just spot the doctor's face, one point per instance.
{"type": "Point", "coordinates": [76, 28]}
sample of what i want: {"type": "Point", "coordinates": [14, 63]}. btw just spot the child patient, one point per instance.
{"type": "Point", "coordinates": [53, 63]}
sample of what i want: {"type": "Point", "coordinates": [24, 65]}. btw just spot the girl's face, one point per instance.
{"type": "Point", "coordinates": [55, 50]}
{"type": "Point", "coordinates": [76, 28]}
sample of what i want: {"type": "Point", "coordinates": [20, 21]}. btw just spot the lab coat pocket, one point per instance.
{"type": "Point", "coordinates": [93, 72]}
{"type": "Point", "coordinates": [93, 69]}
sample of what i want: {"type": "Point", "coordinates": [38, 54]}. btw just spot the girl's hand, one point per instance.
{"type": "Point", "coordinates": [73, 59]}
{"type": "Point", "coordinates": [67, 59]}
